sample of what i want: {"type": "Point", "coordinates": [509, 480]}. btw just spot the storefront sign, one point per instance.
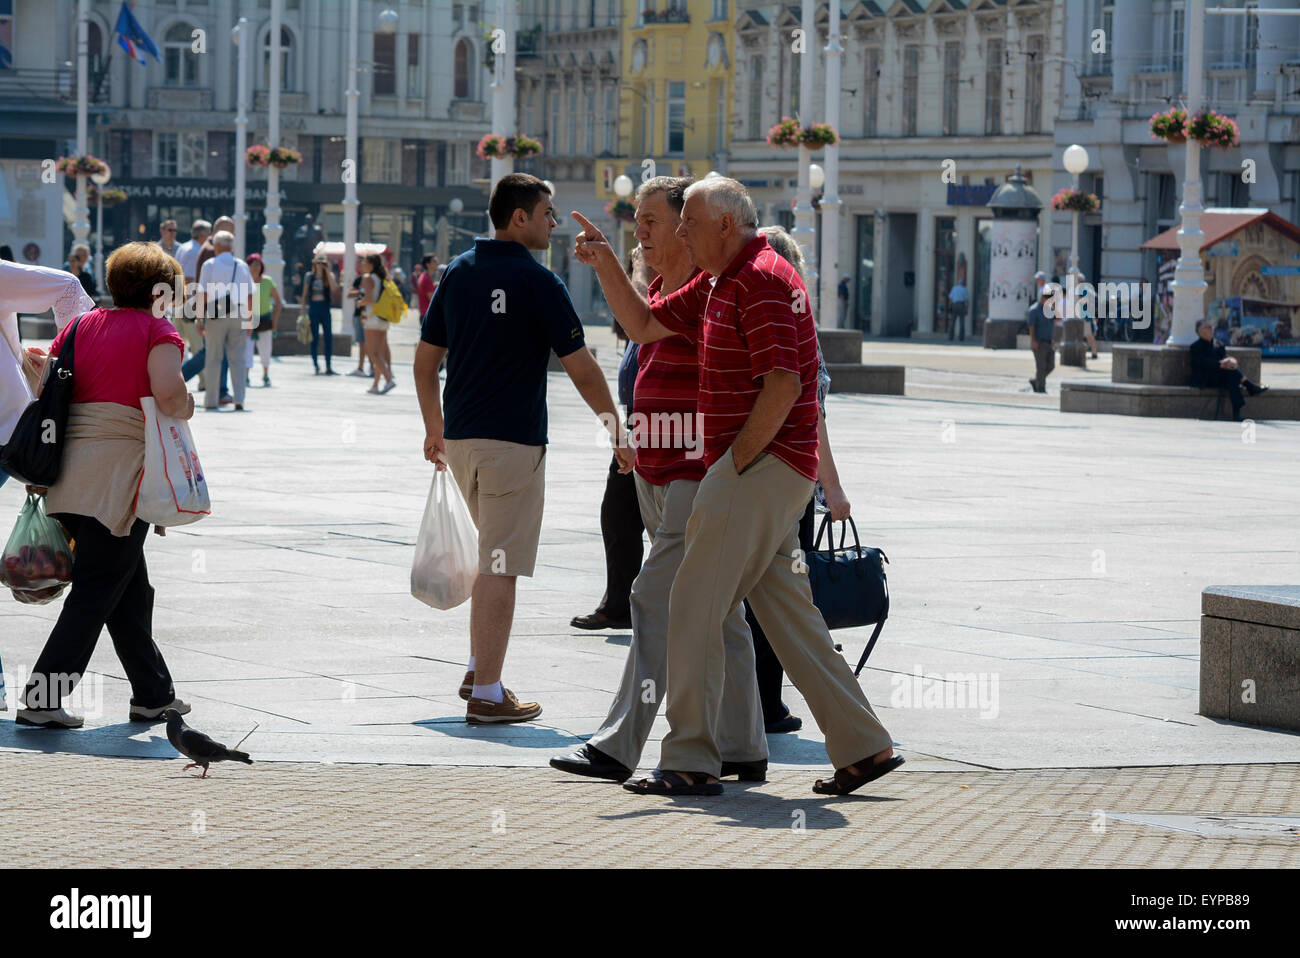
{"type": "Point", "coordinates": [959, 195]}
{"type": "Point", "coordinates": [1226, 248]}
{"type": "Point", "coordinates": [1279, 270]}
{"type": "Point", "coordinates": [156, 190]}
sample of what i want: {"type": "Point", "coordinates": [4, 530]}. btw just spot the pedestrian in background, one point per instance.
{"type": "Point", "coordinates": [318, 291]}
{"type": "Point", "coordinates": [78, 266]}
{"type": "Point", "coordinates": [373, 275]}
{"type": "Point", "coordinates": [167, 238]}
{"type": "Point", "coordinates": [426, 285]}
{"type": "Point", "coordinates": [842, 296]}
{"type": "Point", "coordinates": [1041, 327]}
{"type": "Point", "coordinates": [828, 496]}
{"type": "Point", "coordinates": [208, 250]}
{"type": "Point", "coordinates": [621, 524]}
{"type": "Point", "coordinates": [267, 312]}
{"type": "Point", "coordinates": [123, 353]}
{"type": "Point", "coordinates": [958, 300]}
{"type": "Point", "coordinates": [225, 300]}
{"type": "Point", "coordinates": [358, 327]}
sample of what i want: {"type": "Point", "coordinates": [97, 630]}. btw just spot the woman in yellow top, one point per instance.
{"type": "Point", "coordinates": [268, 309]}
{"type": "Point", "coordinates": [373, 275]}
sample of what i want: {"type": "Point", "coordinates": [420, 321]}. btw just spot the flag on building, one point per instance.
{"type": "Point", "coordinates": [133, 38]}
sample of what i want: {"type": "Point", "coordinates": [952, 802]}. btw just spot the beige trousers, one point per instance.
{"type": "Point", "coordinates": [741, 541]}
{"type": "Point", "coordinates": [622, 736]}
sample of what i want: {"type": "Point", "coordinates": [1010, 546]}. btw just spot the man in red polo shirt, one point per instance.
{"type": "Point", "coordinates": [751, 317]}
{"type": "Point", "coordinates": [669, 467]}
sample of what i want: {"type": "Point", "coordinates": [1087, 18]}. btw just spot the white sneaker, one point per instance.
{"type": "Point", "coordinates": [49, 718]}
{"type": "Point", "coordinates": [141, 714]}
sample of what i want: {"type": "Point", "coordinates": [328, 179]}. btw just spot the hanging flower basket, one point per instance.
{"type": "Point", "coordinates": [1170, 126]}
{"type": "Point", "coordinates": [81, 165]}
{"type": "Point", "coordinates": [258, 155]}
{"type": "Point", "coordinates": [112, 196]}
{"type": "Point", "coordinates": [1213, 129]}
{"type": "Point", "coordinates": [281, 157]}
{"type": "Point", "coordinates": [1075, 201]}
{"type": "Point", "coordinates": [785, 133]}
{"type": "Point", "coordinates": [622, 210]}
{"type": "Point", "coordinates": [819, 135]}
{"type": "Point", "coordinates": [491, 147]}
{"type": "Point", "coordinates": [521, 146]}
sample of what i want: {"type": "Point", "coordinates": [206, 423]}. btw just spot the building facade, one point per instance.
{"type": "Point", "coordinates": [568, 70]}
{"type": "Point", "coordinates": [1251, 74]}
{"type": "Point", "coordinates": [167, 128]}
{"type": "Point", "coordinates": [923, 84]}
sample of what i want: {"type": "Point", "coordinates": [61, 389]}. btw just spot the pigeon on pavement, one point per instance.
{"type": "Point", "coordinates": [197, 747]}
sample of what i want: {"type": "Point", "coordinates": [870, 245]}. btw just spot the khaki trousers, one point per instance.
{"type": "Point", "coordinates": [224, 339]}
{"type": "Point", "coordinates": [741, 541]}
{"type": "Point", "coordinates": [622, 736]}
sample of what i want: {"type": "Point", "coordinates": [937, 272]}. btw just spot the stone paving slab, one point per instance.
{"type": "Point", "coordinates": [363, 816]}
{"type": "Point", "coordinates": [1062, 556]}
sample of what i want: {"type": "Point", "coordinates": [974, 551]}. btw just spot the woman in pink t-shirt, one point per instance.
{"type": "Point", "coordinates": [121, 354]}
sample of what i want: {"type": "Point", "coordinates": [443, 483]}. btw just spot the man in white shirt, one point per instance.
{"type": "Point", "coordinates": [29, 289]}
{"type": "Point", "coordinates": [188, 256]}
{"type": "Point", "coordinates": [225, 308]}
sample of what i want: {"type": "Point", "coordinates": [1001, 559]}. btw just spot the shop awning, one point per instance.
{"type": "Point", "coordinates": [1220, 223]}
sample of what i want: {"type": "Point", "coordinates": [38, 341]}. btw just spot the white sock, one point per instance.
{"type": "Point", "coordinates": [490, 692]}
{"type": "Point", "coordinates": [470, 667]}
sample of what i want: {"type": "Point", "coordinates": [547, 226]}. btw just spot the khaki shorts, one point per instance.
{"type": "Point", "coordinates": [504, 484]}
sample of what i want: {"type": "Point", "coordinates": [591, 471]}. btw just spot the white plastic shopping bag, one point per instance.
{"type": "Point", "coordinates": [446, 554]}
{"type": "Point", "coordinates": [173, 491]}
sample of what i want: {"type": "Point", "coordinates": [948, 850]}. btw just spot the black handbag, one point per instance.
{"type": "Point", "coordinates": [34, 453]}
{"type": "Point", "coordinates": [264, 324]}
{"type": "Point", "coordinates": [849, 585]}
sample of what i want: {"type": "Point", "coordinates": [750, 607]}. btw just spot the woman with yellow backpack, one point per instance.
{"type": "Point", "coordinates": [381, 304]}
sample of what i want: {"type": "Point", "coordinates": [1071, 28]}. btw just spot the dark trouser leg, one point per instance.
{"type": "Point", "coordinates": [101, 571]}
{"type": "Point", "coordinates": [767, 667]}
{"type": "Point", "coordinates": [1231, 380]}
{"type": "Point", "coordinates": [620, 528]}
{"type": "Point", "coordinates": [131, 627]}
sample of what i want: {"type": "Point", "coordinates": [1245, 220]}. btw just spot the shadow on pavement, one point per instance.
{"type": "Point", "coordinates": [519, 734]}
{"type": "Point", "coordinates": [744, 806]}
{"type": "Point", "coordinates": [107, 741]}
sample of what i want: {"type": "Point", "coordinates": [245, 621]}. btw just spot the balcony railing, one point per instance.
{"type": "Point", "coordinates": [50, 86]}
{"type": "Point", "coordinates": [673, 13]}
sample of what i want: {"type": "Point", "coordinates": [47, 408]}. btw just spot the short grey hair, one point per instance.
{"type": "Point", "coordinates": [223, 239]}
{"type": "Point", "coordinates": [201, 226]}
{"type": "Point", "coordinates": [786, 248]}
{"type": "Point", "coordinates": [674, 186]}
{"type": "Point", "coordinates": [1203, 322]}
{"type": "Point", "coordinates": [726, 196]}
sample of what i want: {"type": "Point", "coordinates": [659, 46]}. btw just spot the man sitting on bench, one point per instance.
{"type": "Point", "coordinates": [1213, 368]}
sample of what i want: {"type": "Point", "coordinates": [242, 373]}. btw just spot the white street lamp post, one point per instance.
{"type": "Point", "coordinates": [503, 86]}
{"type": "Point", "coordinates": [1072, 352]}
{"type": "Point", "coordinates": [622, 189]}
{"type": "Point", "coordinates": [101, 180]}
{"type": "Point", "coordinates": [1189, 285]}
{"type": "Point", "coordinates": [805, 232]}
{"type": "Point", "coordinates": [830, 265]}
{"type": "Point", "coordinates": [240, 35]}
{"type": "Point", "coordinates": [352, 94]}
{"type": "Point", "coordinates": [81, 215]}
{"type": "Point", "coordinates": [272, 256]}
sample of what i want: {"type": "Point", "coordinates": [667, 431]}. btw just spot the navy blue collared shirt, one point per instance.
{"type": "Point", "coordinates": [500, 314]}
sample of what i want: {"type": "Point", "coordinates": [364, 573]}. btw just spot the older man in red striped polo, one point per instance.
{"type": "Point", "coordinates": [751, 317]}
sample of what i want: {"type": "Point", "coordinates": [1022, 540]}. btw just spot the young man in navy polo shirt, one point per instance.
{"type": "Point", "coordinates": [496, 316]}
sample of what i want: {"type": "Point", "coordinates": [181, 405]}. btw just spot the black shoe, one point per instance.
{"type": "Point", "coordinates": [1033, 384]}
{"type": "Point", "coordinates": [746, 771]}
{"type": "Point", "coordinates": [791, 723]}
{"type": "Point", "coordinates": [592, 762]}
{"type": "Point", "coordinates": [1253, 389]}
{"type": "Point", "coordinates": [599, 621]}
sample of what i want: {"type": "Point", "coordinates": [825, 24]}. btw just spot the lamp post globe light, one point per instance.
{"type": "Point", "coordinates": [100, 180]}
{"type": "Point", "coordinates": [816, 177]}
{"type": "Point", "coordinates": [456, 205]}
{"type": "Point", "coordinates": [622, 189]}
{"type": "Point", "coordinates": [388, 21]}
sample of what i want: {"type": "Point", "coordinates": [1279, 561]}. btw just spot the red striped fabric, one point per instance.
{"type": "Point", "coordinates": [756, 318]}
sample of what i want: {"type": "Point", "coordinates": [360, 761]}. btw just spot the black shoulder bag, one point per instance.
{"type": "Point", "coordinates": [34, 454]}
{"type": "Point", "coordinates": [849, 586]}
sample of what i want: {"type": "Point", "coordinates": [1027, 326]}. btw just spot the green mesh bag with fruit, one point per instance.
{"type": "Point", "coordinates": [38, 557]}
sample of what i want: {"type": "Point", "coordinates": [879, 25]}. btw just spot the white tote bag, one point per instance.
{"type": "Point", "coordinates": [446, 554]}
{"type": "Point", "coordinates": [173, 491]}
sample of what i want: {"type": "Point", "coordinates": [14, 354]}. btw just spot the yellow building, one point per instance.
{"type": "Point", "coordinates": [675, 96]}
